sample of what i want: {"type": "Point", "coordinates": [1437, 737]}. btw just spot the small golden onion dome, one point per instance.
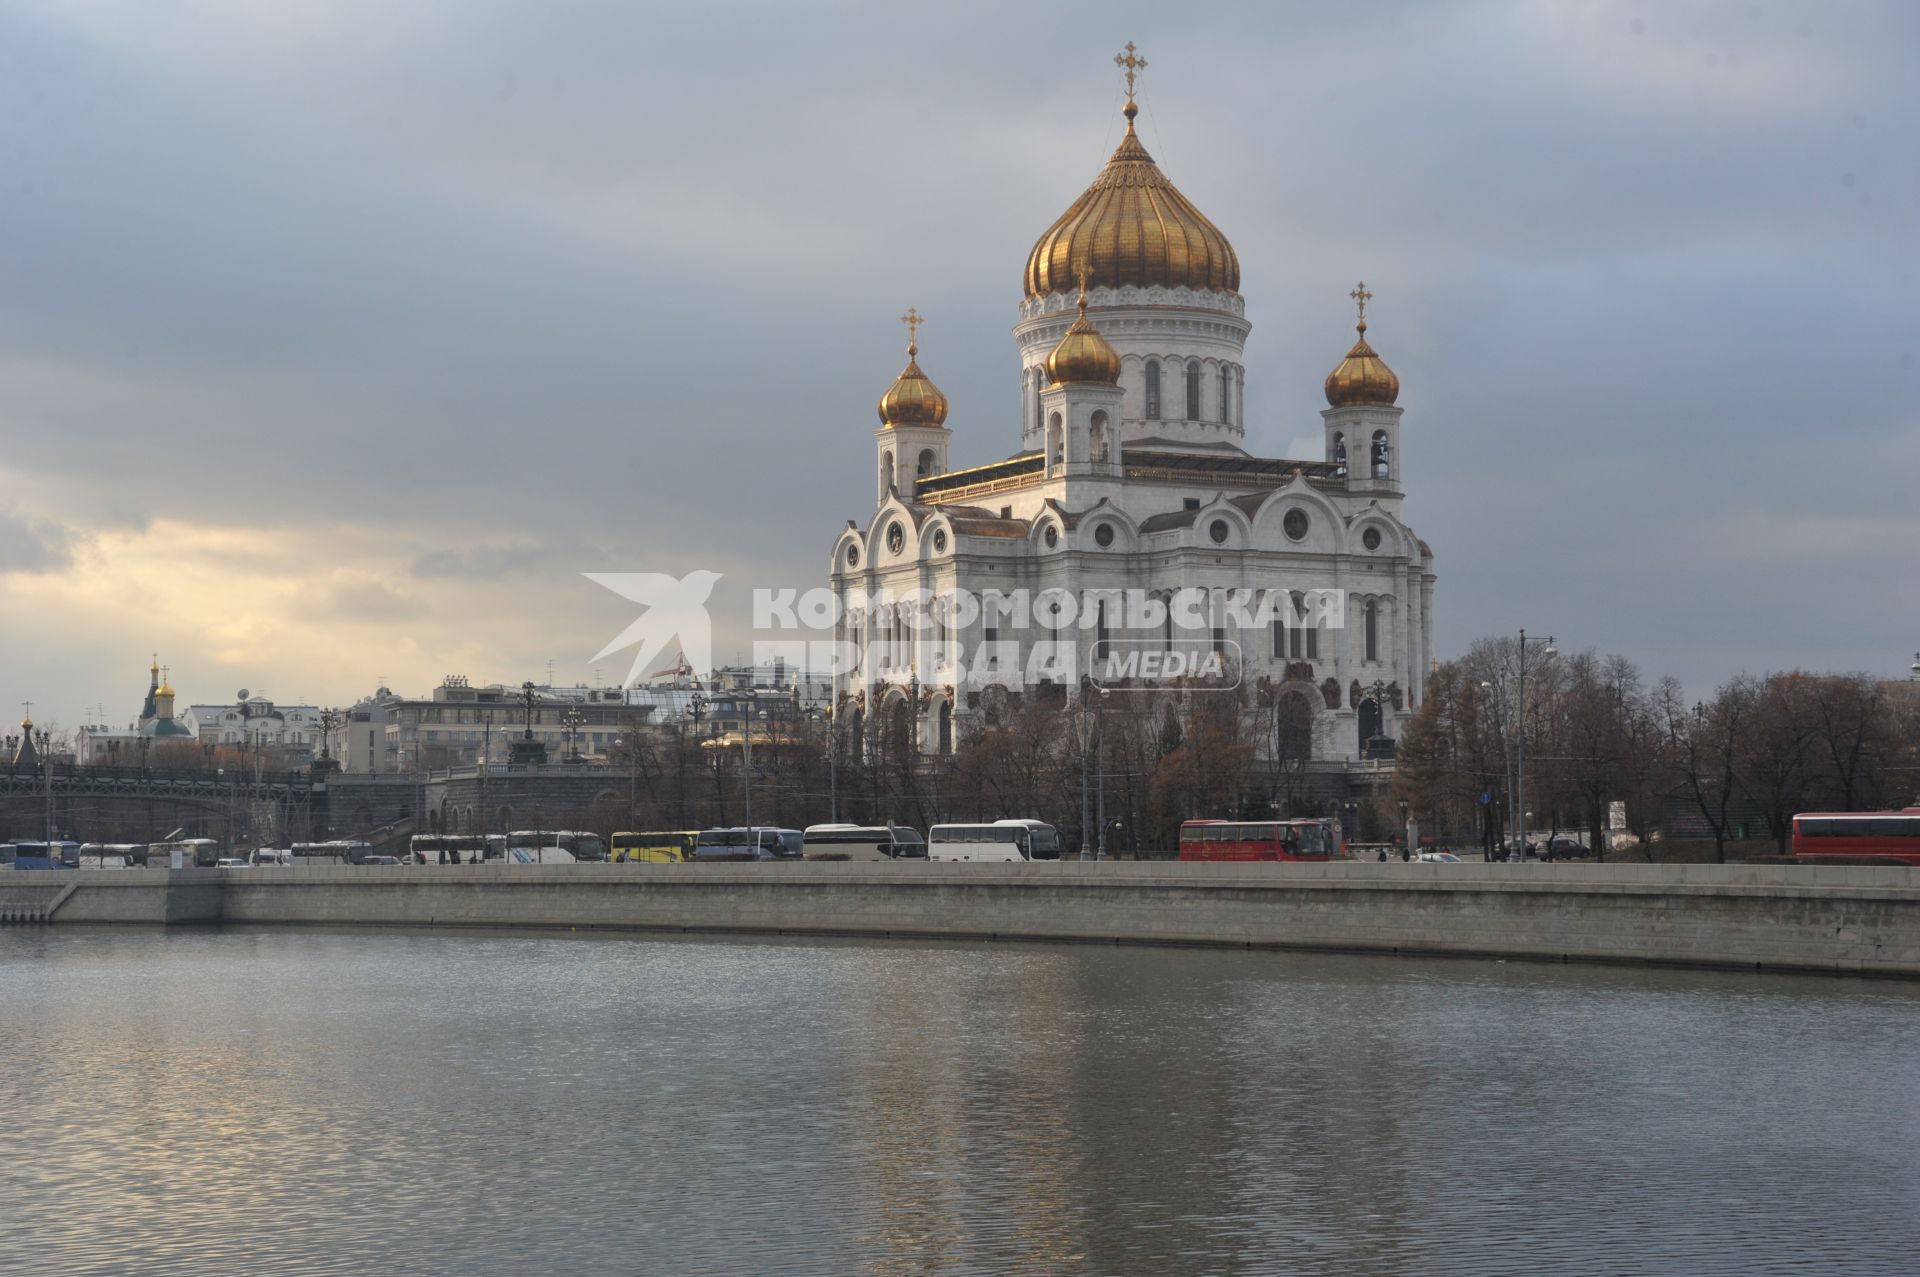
{"type": "Point", "coordinates": [1083, 354]}
{"type": "Point", "coordinates": [1362, 377]}
{"type": "Point", "coordinates": [1132, 226]}
{"type": "Point", "coordinates": [913, 399]}
{"type": "Point", "coordinates": [166, 689]}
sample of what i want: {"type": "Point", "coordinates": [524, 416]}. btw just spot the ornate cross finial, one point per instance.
{"type": "Point", "coordinates": [1131, 64]}
{"type": "Point", "coordinates": [913, 319]}
{"type": "Point", "coordinates": [1082, 275]}
{"type": "Point", "coordinates": [1361, 296]}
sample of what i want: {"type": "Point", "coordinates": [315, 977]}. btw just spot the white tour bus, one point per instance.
{"type": "Point", "coordinates": [1001, 840]}
{"type": "Point", "coordinates": [863, 842]}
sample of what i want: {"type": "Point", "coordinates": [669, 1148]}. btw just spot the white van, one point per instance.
{"type": "Point", "coordinates": [1002, 840]}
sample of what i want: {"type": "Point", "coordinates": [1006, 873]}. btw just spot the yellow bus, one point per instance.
{"type": "Point", "coordinates": [658, 848]}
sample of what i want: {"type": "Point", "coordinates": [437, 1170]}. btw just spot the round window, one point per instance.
{"type": "Point", "coordinates": [1371, 538]}
{"type": "Point", "coordinates": [1103, 535]}
{"type": "Point", "coordinates": [853, 556]}
{"type": "Point", "coordinates": [1218, 531]}
{"type": "Point", "coordinates": [1295, 525]}
{"type": "Point", "coordinates": [896, 538]}
{"type": "Point", "coordinates": [1053, 536]}
{"type": "Point", "coordinates": [940, 541]}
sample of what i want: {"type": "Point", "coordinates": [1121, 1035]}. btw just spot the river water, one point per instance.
{"type": "Point", "coordinates": [301, 1101]}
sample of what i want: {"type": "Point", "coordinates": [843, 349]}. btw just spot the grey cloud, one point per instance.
{"type": "Point", "coordinates": [634, 313]}
{"type": "Point", "coordinates": [34, 545]}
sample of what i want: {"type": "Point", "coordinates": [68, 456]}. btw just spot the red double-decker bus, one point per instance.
{"type": "Point", "coordinates": [1894, 834]}
{"type": "Point", "coordinates": [1256, 840]}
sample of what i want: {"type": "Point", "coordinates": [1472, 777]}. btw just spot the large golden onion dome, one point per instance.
{"type": "Point", "coordinates": [913, 399]}
{"type": "Point", "coordinates": [1362, 377]}
{"type": "Point", "coordinates": [1083, 355]}
{"type": "Point", "coordinates": [1133, 226]}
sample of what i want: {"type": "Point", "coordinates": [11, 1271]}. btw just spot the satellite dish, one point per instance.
{"type": "Point", "coordinates": [243, 693]}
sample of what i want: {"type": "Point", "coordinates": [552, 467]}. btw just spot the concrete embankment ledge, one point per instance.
{"type": "Point", "coordinates": [1861, 920]}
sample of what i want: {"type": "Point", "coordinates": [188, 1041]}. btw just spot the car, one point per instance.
{"type": "Point", "coordinates": [1439, 858]}
{"type": "Point", "coordinates": [1565, 848]}
{"type": "Point", "coordinates": [230, 862]}
{"type": "Point", "coordinates": [379, 860]}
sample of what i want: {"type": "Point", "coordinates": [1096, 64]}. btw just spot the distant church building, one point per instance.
{"type": "Point", "coordinates": [1131, 474]}
{"type": "Point", "coordinates": [101, 745]}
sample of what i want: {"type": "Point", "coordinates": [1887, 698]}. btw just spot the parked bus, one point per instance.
{"type": "Point", "coordinates": [576, 845]}
{"type": "Point", "coordinates": [1885, 835]}
{"type": "Point", "coordinates": [43, 855]}
{"type": "Point", "coordinates": [1000, 840]}
{"type": "Point", "coordinates": [1256, 840]}
{"type": "Point", "coordinates": [202, 853]}
{"type": "Point", "coordinates": [459, 849]}
{"type": "Point", "coordinates": [112, 855]}
{"type": "Point", "coordinates": [658, 847]}
{"type": "Point", "coordinates": [341, 851]}
{"type": "Point", "coordinates": [738, 843]}
{"type": "Point", "coordinates": [863, 842]}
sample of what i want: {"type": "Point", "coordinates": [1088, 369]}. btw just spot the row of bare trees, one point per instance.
{"type": "Point", "coordinates": [1762, 748]}
{"type": "Point", "coordinates": [1147, 761]}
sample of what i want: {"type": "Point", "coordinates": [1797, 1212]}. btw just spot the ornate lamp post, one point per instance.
{"type": "Point", "coordinates": [573, 720]}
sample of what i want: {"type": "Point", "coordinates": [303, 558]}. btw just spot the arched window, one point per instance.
{"type": "Point", "coordinates": [1300, 639]}
{"type": "Point", "coordinates": [1340, 451]}
{"type": "Point", "coordinates": [886, 471]}
{"type": "Point", "coordinates": [1373, 629]}
{"type": "Point", "coordinates": [1226, 393]}
{"type": "Point", "coordinates": [1369, 724]}
{"type": "Point", "coordinates": [1039, 384]}
{"type": "Point", "coordinates": [1098, 437]}
{"type": "Point", "coordinates": [1193, 392]}
{"type": "Point", "coordinates": [926, 463]}
{"type": "Point", "coordinates": [1153, 389]}
{"type": "Point", "coordinates": [1382, 460]}
{"type": "Point", "coordinates": [946, 727]}
{"type": "Point", "coordinates": [1055, 438]}
{"type": "Point", "coordinates": [1293, 728]}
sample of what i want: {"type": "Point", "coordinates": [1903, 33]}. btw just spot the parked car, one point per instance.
{"type": "Point", "coordinates": [1565, 848]}
{"type": "Point", "coordinates": [230, 862]}
{"type": "Point", "coordinates": [379, 860]}
{"type": "Point", "coordinates": [1439, 858]}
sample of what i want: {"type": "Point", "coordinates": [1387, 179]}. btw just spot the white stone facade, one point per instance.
{"type": "Point", "coordinates": [1137, 487]}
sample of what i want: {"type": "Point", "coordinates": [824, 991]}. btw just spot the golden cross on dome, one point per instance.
{"type": "Point", "coordinates": [1132, 64]}
{"type": "Point", "coordinates": [1083, 290]}
{"type": "Point", "coordinates": [1361, 296]}
{"type": "Point", "coordinates": [913, 319]}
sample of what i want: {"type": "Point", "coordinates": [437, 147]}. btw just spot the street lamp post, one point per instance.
{"type": "Point", "coordinates": [1547, 652]}
{"type": "Point", "coordinates": [1100, 772]}
{"type": "Point", "coordinates": [832, 721]}
{"type": "Point", "coordinates": [746, 770]}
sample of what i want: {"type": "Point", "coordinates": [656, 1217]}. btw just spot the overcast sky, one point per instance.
{"type": "Point", "coordinates": [338, 338]}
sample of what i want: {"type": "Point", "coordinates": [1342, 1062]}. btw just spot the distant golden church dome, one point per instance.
{"type": "Point", "coordinates": [1362, 377]}
{"type": "Point", "coordinates": [913, 399]}
{"type": "Point", "coordinates": [1083, 355]}
{"type": "Point", "coordinates": [1133, 227]}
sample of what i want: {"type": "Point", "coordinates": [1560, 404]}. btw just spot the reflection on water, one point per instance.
{"type": "Point", "coordinates": [318, 1102]}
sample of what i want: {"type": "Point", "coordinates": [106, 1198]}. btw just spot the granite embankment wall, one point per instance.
{"type": "Point", "coordinates": [1787, 917]}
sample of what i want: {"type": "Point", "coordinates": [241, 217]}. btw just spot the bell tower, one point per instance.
{"type": "Point", "coordinates": [913, 436]}
{"type": "Point", "coordinates": [1361, 422]}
